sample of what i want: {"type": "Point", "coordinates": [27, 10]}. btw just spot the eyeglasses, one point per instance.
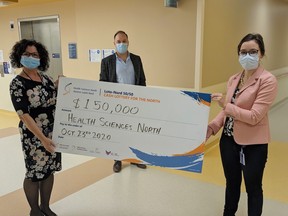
{"type": "Point", "coordinates": [252, 52]}
{"type": "Point", "coordinates": [34, 55]}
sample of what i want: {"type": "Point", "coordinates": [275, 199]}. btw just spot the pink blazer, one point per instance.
{"type": "Point", "coordinates": [250, 111]}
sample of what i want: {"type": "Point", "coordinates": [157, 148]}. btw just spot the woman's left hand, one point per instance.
{"type": "Point", "coordinates": [56, 83]}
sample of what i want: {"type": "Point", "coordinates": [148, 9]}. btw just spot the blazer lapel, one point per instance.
{"type": "Point", "coordinates": [136, 70]}
{"type": "Point", "coordinates": [113, 69]}
{"type": "Point", "coordinates": [253, 79]}
{"type": "Point", "coordinates": [232, 87]}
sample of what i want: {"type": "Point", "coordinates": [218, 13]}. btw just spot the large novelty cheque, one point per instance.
{"type": "Point", "coordinates": [153, 126]}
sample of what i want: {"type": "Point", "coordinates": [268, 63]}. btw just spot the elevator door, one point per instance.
{"type": "Point", "coordinates": [45, 30]}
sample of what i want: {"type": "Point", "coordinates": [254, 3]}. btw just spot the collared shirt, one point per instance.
{"type": "Point", "coordinates": [125, 71]}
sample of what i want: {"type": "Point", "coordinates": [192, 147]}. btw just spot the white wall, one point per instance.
{"type": "Point", "coordinates": [5, 101]}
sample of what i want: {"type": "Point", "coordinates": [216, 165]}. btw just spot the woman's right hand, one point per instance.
{"type": "Point", "coordinates": [220, 98]}
{"type": "Point", "coordinates": [49, 145]}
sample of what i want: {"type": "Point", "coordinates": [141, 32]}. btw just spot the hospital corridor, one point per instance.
{"type": "Point", "coordinates": [87, 186]}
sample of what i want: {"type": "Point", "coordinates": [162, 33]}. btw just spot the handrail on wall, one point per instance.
{"type": "Point", "coordinates": [281, 75]}
{"type": "Point", "coordinates": [278, 77]}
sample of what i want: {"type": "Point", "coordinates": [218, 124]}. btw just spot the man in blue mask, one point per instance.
{"type": "Point", "coordinates": [123, 67]}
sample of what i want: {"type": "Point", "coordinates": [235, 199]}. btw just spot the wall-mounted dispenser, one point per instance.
{"type": "Point", "coordinates": [7, 2]}
{"type": "Point", "coordinates": [171, 3]}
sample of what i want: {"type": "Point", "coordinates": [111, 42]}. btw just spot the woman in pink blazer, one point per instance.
{"type": "Point", "coordinates": [244, 118]}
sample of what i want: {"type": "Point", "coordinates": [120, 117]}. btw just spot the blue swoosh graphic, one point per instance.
{"type": "Point", "coordinates": [199, 96]}
{"type": "Point", "coordinates": [186, 162]}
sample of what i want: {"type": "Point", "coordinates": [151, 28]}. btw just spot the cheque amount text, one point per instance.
{"type": "Point", "coordinates": [104, 106]}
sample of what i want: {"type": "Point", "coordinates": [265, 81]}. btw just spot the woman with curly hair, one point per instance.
{"type": "Point", "coordinates": [33, 95]}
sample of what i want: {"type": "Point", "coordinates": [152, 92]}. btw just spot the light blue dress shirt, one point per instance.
{"type": "Point", "coordinates": [125, 71]}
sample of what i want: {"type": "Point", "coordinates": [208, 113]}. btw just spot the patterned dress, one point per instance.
{"type": "Point", "coordinates": [38, 99]}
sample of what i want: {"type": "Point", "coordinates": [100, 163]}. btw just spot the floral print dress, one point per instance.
{"type": "Point", "coordinates": [38, 99]}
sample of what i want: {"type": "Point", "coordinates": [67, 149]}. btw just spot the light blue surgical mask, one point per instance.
{"type": "Point", "coordinates": [249, 62]}
{"type": "Point", "coordinates": [121, 48]}
{"type": "Point", "coordinates": [30, 62]}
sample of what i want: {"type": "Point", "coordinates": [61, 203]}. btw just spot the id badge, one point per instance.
{"type": "Point", "coordinates": [242, 157]}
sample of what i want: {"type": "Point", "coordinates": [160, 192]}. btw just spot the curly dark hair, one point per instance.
{"type": "Point", "coordinates": [20, 47]}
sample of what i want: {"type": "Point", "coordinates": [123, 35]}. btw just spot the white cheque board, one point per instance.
{"type": "Point", "coordinates": [153, 126]}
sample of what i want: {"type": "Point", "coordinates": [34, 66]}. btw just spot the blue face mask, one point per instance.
{"type": "Point", "coordinates": [121, 48]}
{"type": "Point", "coordinates": [249, 62]}
{"type": "Point", "coordinates": [30, 62]}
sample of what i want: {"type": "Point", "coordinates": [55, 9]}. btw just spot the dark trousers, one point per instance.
{"type": "Point", "coordinates": [255, 159]}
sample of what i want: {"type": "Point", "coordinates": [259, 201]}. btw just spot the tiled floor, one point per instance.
{"type": "Point", "coordinates": [87, 186]}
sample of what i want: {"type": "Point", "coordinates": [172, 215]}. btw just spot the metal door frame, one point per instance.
{"type": "Point", "coordinates": [35, 19]}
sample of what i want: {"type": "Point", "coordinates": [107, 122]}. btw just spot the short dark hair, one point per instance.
{"type": "Point", "coordinates": [120, 32]}
{"type": "Point", "coordinates": [20, 47]}
{"type": "Point", "coordinates": [257, 38]}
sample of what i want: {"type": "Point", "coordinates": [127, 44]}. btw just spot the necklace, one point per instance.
{"type": "Point", "coordinates": [27, 75]}
{"type": "Point", "coordinates": [30, 77]}
{"type": "Point", "coordinates": [242, 79]}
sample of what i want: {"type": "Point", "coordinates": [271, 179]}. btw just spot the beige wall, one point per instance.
{"type": "Point", "coordinates": [163, 37]}
{"type": "Point", "coordinates": [228, 21]}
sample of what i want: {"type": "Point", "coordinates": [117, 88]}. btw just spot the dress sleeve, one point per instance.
{"type": "Point", "coordinates": [19, 97]}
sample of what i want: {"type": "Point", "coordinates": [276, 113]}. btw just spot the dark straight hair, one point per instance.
{"type": "Point", "coordinates": [257, 38]}
{"type": "Point", "coordinates": [120, 32]}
